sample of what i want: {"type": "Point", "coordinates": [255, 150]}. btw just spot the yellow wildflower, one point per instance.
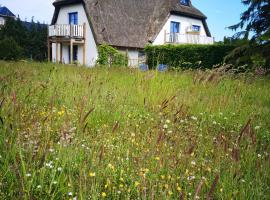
{"type": "Point", "coordinates": [157, 158]}
{"type": "Point", "coordinates": [136, 183]}
{"type": "Point", "coordinates": [103, 194]}
{"type": "Point", "coordinates": [92, 174]}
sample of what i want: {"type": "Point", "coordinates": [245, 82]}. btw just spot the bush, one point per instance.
{"type": "Point", "coordinates": [108, 55]}
{"type": "Point", "coordinates": [187, 56]}
{"type": "Point", "coordinates": [10, 50]}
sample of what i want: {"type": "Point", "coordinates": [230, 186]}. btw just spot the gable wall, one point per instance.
{"type": "Point", "coordinates": [91, 47]}
{"type": "Point", "coordinates": [185, 22]}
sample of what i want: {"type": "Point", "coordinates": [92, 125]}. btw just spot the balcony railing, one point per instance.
{"type": "Point", "coordinates": [67, 30]}
{"type": "Point", "coordinates": [177, 38]}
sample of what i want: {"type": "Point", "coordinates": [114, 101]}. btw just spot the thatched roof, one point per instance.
{"type": "Point", "coordinates": [130, 23]}
{"type": "Point", "coordinates": [5, 12]}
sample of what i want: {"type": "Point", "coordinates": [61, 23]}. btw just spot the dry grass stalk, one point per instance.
{"type": "Point", "coordinates": [213, 187]}
{"type": "Point", "coordinates": [236, 154]}
{"type": "Point", "coordinates": [115, 127]}
{"type": "Point", "coordinates": [87, 114]}
{"type": "Point", "coordinates": [198, 189]}
{"type": "Point", "coordinates": [246, 129]}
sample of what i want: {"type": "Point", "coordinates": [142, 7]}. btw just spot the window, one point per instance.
{"type": "Point", "coordinates": [175, 27]}
{"type": "Point", "coordinates": [184, 2]}
{"type": "Point", "coordinates": [196, 28]}
{"type": "Point", "coordinates": [73, 18]}
{"type": "Point", "coordinates": [175, 30]}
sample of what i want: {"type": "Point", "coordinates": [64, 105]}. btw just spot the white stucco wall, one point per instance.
{"type": "Point", "coordinates": [91, 47]}
{"type": "Point", "coordinates": [185, 22]}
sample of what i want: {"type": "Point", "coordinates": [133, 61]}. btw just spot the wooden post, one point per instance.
{"type": "Point", "coordinates": [61, 53]}
{"type": "Point", "coordinates": [71, 51]}
{"type": "Point", "coordinates": [49, 50]}
{"type": "Point", "coordinates": [165, 34]}
{"type": "Point", "coordinates": [84, 44]}
{"type": "Point", "coordinates": [56, 52]}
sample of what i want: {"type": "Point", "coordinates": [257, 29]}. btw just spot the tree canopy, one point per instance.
{"type": "Point", "coordinates": [31, 37]}
{"type": "Point", "coordinates": [255, 25]}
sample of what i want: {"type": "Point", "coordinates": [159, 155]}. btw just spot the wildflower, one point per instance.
{"type": "Point", "coordinates": [193, 162]}
{"type": "Point", "coordinates": [157, 158]}
{"type": "Point", "coordinates": [166, 186]}
{"type": "Point", "coordinates": [39, 186]}
{"type": "Point", "coordinates": [70, 194]}
{"type": "Point", "coordinates": [165, 126]}
{"type": "Point", "coordinates": [214, 122]}
{"type": "Point", "coordinates": [178, 188]}
{"type": "Point", "coordinates": [111, 166]}
{"type": "Point", "coordinates": [190, 178]}
{"type": "Point", "coordinates": [168, 121]}
{"type": "Point", "coordinates": [259, 155]}
{"type": "Point", "coordinates": [92, 174]}
{"type": "Point", "coordinates": [59, 169]}
{"type": "Point", "coordinates": [103, 194]}
{"type": "Point", "coordinates": [257, 127]}
{"type": "Point", "coordinates": [194, 118]}
{"type": "Point", "coordinates": [28, 175]}
{"type": "Point", "coordinates": [55, 182]}
{"type": "Point", "coordinates": [121, 185]}
{"type": "Point", "coordinates": [136, 183]}
{"type": "Point", "coordinates": [170, 132]}
{"type": "Point", "coordinates": [170, 193]}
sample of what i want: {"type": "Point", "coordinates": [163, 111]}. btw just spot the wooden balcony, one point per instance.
{"type": "Point", "coordinates": [68, 35]}
{"type": "Point", "coordinates": [67, 31]}
{"type": "Point", "coordinates": [177, 38]}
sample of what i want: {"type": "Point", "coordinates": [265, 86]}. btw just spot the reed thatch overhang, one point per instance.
{"type": "Point", "coordinates": [130, 23]}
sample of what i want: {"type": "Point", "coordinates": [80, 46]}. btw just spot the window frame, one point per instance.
{"type": "Point", "coordinates": [174, 22]}
{"type": "Point", "coordinates": [185, 2]}
{"type": "Point", "coordinates": [76, 19]}
{"type": "Point", "coordinates": [196, 28]}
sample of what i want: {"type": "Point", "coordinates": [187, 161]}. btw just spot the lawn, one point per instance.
{"type": "Point", "coordinates": [76, 133]}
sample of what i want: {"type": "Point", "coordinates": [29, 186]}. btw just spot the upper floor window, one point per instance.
{"type": "Point", "coordinates": [196, 28]}
{"type": "Point", "coordinates": [175, 27]}
{"type": "Point", "coordinates": [73, 18]}
{"type": "Point", "coordinates": [184, 2]}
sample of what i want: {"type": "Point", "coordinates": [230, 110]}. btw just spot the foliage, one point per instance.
{"type": "Point", "coordinates": [255, 20]}
{"type": "Point", "coordinates": [109, 56]}
{"type": "Point", "coordinates": [31, 37]}
{"type": "Point", "coordinates": [187, 56]}
{"type": "Point", "coordinates": [10, 50]}
{"type": "Point", "coordinates": [255, 23]}
{"type": "Point", "coordinates": [79, 133]}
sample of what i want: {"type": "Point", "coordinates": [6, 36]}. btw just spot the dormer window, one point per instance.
{"type": "Point", "coordinates": [184, 2]}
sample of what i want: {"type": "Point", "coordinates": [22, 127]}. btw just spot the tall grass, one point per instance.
{"type": "Point", "coordinates": [78, 133]}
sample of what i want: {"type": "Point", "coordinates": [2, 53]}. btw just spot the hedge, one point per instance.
{"type": "Point", "coordinates": [186, 56]}
{"type": "Point", "coordinates": [108, 56]}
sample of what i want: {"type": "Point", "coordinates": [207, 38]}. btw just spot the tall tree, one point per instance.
{"type": "Point", "coordinates": [255, 24]}
{"type": "Point", "coordinates": [255, 20]}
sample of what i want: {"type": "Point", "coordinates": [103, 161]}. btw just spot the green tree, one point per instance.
{"type": "Point", "coordinates": [255, 24]}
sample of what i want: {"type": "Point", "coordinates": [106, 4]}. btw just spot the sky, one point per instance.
{"type": "Point", "coordinates": [220, 13]}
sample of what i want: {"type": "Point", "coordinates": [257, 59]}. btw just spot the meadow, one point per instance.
{"type": "Point", "coordinates": [71, 132]}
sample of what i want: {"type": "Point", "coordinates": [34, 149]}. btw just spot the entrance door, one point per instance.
{"type": "Point", "coordinates": [75, 53]}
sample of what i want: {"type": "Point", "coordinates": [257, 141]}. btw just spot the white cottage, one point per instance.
{"type": "Point", "coordinates": [79, 26]}
{"type": "Point", "coordinates": [5, 13]}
